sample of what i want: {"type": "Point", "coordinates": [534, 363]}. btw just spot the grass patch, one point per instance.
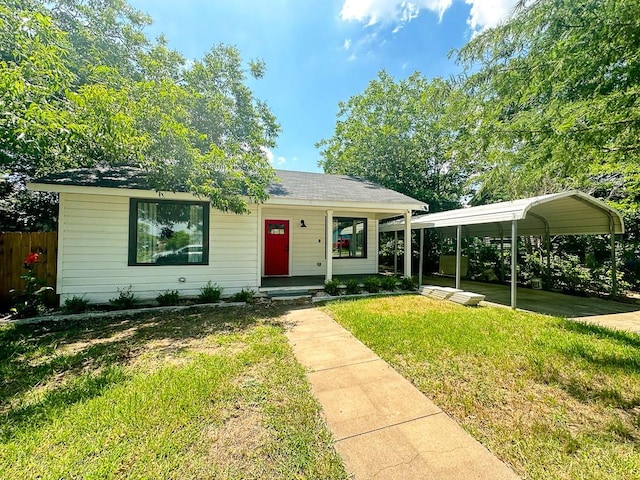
{"type": "Point", "coordinates": [554, 398]}
{"type": "Point", "coordinates": [206, 394]}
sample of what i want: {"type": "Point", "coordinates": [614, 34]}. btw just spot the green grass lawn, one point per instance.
{"type": "Point", "coordinates": [553, 398]}
{"type": "Point", "coordinates": [205, 394]}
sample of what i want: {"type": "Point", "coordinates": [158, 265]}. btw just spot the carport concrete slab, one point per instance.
{"type": "Point", "coordinates": [382, 425]}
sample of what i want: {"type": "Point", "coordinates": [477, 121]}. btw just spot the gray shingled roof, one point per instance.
{"type": "Point", "coordinates": [319, 186]}
{"type": "Point", "coordinates": [291, 185]}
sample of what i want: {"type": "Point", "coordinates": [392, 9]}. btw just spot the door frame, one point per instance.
{"type": "Point", "coordinates": [275, 218]}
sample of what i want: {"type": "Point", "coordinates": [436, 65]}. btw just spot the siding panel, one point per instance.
{"type": "Point", "coordinates": [94, 246]}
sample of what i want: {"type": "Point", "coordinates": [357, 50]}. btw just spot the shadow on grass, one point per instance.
{"type": "Point", "coordinates": [617, 363]}
{"type": "Point", "coordinates": [34, 356]}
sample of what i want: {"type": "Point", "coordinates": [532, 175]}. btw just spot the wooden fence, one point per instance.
{"type": "Point", "coordinates": [14, 248]}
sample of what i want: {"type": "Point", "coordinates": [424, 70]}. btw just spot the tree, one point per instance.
{"type": "Point", "coordinates": [401, 135]}
{"type": "Point", "coordinates": [557, 99]}
{"type": "Point", "coordinates": [80, 86]}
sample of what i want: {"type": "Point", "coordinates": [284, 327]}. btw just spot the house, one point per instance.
{"type": "Point", "coordinates": [114, 231]}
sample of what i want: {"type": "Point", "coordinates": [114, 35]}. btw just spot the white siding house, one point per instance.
{"type": "Point", "coordinates": [97, 234]}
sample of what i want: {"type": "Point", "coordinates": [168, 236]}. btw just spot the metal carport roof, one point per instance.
{"type": "Point", "coordinates": [566, 213]}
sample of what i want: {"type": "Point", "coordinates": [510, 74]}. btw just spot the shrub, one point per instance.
{"type": "Point", "coordinates": [167, 298]}
{"type": "Point", "coordinates": [332, 287]}
{"type": "Point", "coordinates": [353, 287]}
{"type": "Point", "coordinates": [30, 302]}
{"type": "Point", "coordinates": [243, 296]}
{"type": "Point", "coordinates": [210, 293]}
{"type": "Point", "coordinates": [75, 304]}
{"type": "Point", "coordinates": [125, 298]}
{"type": "Point", "coordinates": [372, 284]}
{"type": "Point", "coordinates": [407, 283]}
{"type": "Point", "coordinates": [389, 283]}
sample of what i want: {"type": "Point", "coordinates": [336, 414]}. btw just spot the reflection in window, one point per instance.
{"type": "Point", "coordinates": [349, 237]}
{"type": "Point", "coordinates": [277, 229]}
{"type": "Point", "coordinates": [168, 232]}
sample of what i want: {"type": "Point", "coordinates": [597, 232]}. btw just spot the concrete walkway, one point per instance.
{"type": "Point", "coordinates": [383, 427]}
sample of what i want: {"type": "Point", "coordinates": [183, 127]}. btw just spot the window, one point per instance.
{"type": "Point", "coordinates": [167, 232]}
{"type": "Point", "coordinates": [349, 237]}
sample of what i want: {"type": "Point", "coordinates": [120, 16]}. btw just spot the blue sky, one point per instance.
{"type": "Point", "coordinates": [321, 52]}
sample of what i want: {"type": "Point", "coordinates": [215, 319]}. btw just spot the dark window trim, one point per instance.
{"type": "Point", "coordinates": [133, 232]}
{"type": "Point", "coordinates": [366, 238]}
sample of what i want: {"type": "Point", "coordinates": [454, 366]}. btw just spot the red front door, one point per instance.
{"type": "Point", "coordinates": [276, 247]}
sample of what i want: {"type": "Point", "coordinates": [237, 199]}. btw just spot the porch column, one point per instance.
{"type": "Point", "coordinates": [407, 243]}
{"type": "Point", "coordinates": [514, 263]}
{"type": "Point", "coordinates": [458, 253]}
{"type": "Point", "coordinates": [421, 257]}
{"type": "Point", "coordinates": [328, 243]}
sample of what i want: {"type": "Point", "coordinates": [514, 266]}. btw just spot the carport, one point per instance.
{"type": "Point", "coordinates": [566, 213]}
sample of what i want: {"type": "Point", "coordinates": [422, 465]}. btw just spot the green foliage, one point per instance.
{"type": "Point", "coordinates": [125, 299]}
{"type": "Point", "coordinates": [75, 304]}
{"type": "Point", "coordinates": [409, 127]}
{"type": "Point", "coordinates": [86, 88]}
{"type": "Point", "coordinates": [407, 283]}
{"type": "Point", "coordinates": [169, 297]}
{"type": "Point", "coordinates": [372, 284]}
{"type": "Point", "coordinates": [332, 287]}
{"type": "Point", "coordinates": [389, 283]}
{"type": "Point", "coordinates": [244, 295]}
{"type": "Point", "coordinates": [555, 100]}
{"type": "Point", "coordinates": [210, 293]}
{"type": "Point", "coordinates": [352, 286]}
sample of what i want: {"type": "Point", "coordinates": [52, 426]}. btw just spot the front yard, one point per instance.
{"type": "Point", "coordinates": [553, 398]}
{"type": "Point", "coordinates": [205, 394]}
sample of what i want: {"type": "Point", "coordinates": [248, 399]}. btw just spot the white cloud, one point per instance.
{"type": "Point", "coordinates": [347, 44]}
{"type": "Point", "coordinates": [389, 11]}
{"type": "Point", "coordinates": [483, 13]}
{"type": "Point", "coordinates": [267, 153]}
{"type": "Point", "coordinates": [488, 13]}
{"type": "Point", "coordinates": [281, 161]}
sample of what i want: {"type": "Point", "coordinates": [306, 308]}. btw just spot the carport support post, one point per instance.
{"type": "Point", "coordinates": [458, 254]}
{"type": "Point", "coordinates": [420, 257]}
{"type": "Point", "coordinates": [328, 241]}
{"type": "Point", "coordinates": [514, 263]}
{"type": "Point", "coordinates": [614, 276]}
{"type": "Point", "coordinates": [407, 244]}
{"type": "Point", "coordinates": [547, 241]}
{"type": "Point", "coordinates": [395, 252]}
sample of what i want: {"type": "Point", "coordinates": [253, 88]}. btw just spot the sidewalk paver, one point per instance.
{"type": "Point", "coordinates": [384, 427]}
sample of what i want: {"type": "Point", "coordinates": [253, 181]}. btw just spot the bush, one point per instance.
{"type": "Point", "coordinates": [353, 287]}
{"type": "Point", "coordinates": [75, 304]}
{"type": "Point", "coordinates": [210, 293]}
{"type": "Point", "coordinates": [372, 284]}
{"type": "Point", "coordinates": [243, 296]}
{"type": "Point", "coordinates": [125, 298]}
{"type": "Point", "coordinates": [389, 283]}
{"type": "Point", "coordinates": [407, 283]}
{"type": "Point", "coordinates": [332, 287]}
{"type": "Point", "coordinates": [170, 297]}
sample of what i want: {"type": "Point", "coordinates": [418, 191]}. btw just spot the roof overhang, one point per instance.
{"type": "Point", "coordinates": [566, 213]}
{"type": "Point", "coordinates": [384, 209]}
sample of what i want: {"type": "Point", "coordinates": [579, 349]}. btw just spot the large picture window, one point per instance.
{"type": "Point", "coordinates": [167, 232]}
{"type": "Point", "coordinates": [349, 237]}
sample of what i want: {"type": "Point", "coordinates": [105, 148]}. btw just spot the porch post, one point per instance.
{"type": "Point", "coordinates": [328, 243]}
{"type": "Point", "coordinates": [548, 247]}
{"type": "Point", "coordinates": [421, 257]}
{"type": "Point", "coordinates": [514, 263]}
{"type": "Point", "coordinates": [458, 253]}
{"type": "Point", "coordinates": [395, 252]}
{"type": "Point", "coordinates": [407, 243]}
